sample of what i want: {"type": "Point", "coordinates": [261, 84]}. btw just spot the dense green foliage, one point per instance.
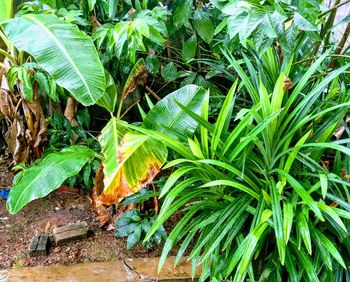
{"type": "Point", "coordinates": [247, 100]}
{"type": "Point", "coordinates": [135, 225]}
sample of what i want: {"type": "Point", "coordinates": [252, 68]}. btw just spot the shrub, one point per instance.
{"type": "Point", "coordinates": [258, 197]}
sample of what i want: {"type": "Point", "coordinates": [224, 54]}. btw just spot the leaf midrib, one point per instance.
{"type": "Point", "coordinates": [180, 112]}
{"type": "Point", "coordinates": [61, 47]}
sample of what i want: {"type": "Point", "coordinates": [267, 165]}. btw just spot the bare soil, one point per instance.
{"type": "Point", "coordinates": [41, 216]}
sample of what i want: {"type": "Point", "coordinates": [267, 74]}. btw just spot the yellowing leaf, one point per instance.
{"type": "Point", "coordinates": [139, 160]}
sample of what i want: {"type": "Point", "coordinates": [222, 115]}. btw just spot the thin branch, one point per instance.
{"type": "Point", "coordinates": [343, 40]}
{"type": "Point", "coordinates": [133, 105]}
{"type": "Point", "coordinates": [152, 93]}
{"type": "Point", "coordinates": [325, 29]}
{"type": "Point", "coordinates": [333, 8]}
{"type": "Point", "coordinates": [313, 58]}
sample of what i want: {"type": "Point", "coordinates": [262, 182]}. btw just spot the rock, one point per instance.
{"type": "Point", "coordinates": [39, 246]}
{"type": "Point", "coordinates": [70, 232]}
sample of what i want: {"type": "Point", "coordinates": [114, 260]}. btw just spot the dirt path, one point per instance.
{"type": "Point", "coordinates": [41, 216]}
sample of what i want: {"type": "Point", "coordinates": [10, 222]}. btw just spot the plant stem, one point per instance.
{"type": "Point", "coordinates": [340, 46]}
{"type": "Point", "coordinates": [343, 40]}
{"type": "Point", "coordinates": [326, 27]}
{"type": "Point", "coordinates": [120, 108]}
{"type": "Point", "coordinates": [152, 93]}
{"type": "Point", "coordinates": [333, 8]}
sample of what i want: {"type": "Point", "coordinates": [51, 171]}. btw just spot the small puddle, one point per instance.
{"type": "Point", "coordinates": [120, 271]}
{"type": "Point", "coordinates": [97, 272]}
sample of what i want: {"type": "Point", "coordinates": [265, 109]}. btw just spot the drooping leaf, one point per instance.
{"type": "Point", "coordinates": [287, 220]}
{"type": "Point", "coordinates": [138, 161]}
{"type": "Point", "coordinates": [204, 26]}
{"type": "Point", "coordinates": [39, 180]}
{"type": "Point", "coordinates": [62, 50]}
{"type": "Point", "coordinates": [152, 64]}
{"type": "Point", "coordinates": [189, 49]}
{"type": "Point", "coordinates": [109, 140]}
{"type": "Point", "coordinates": [112, 8]}
{"type": "Point", "coordinates": [91, 4]}
{"type": "Point", "coordinates": [303, 23]}
{"type": "Point", "coordinates": [110, 96]}
{"type": "Point", "coordinates": [138, 75]}
{"type": "Point", "coordinates": [169, 72]}
{"type": "Point", "coordinates": [167, 117]}
{"type": "Point", "coordinates": [26, 84]}
{"type": "Point", "coordinates": [182, 12]}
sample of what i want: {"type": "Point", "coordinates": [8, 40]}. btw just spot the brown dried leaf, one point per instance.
{"type": "Point", "coordinates": [138, 75]}
{"type": "Point", "coordinates": [6, 105]}
{"type": "Point", "coordinates": [287, 84]}
{"type": "Point", "coordinates": [70, 110]}
{"type": "Point", "coordinates": [17, 143]}
{"type": "Point", "coordinates": [36, 122]}
{"type": "Point", "coordinates": [340, 130]}
{"type": "Point", "coordinates": [104, 214]}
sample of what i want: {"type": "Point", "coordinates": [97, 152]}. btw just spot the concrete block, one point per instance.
{"type": "Point", "coordinates": [39, 246]}
{"type": "Point", "coordinates": [70, 232]}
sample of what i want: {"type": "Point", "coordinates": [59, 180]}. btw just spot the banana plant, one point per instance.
{"type": "Point", "coordinates": [130, 160]}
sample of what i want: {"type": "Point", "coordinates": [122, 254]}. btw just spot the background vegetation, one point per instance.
{"type": "Point", "coordinates": [240, 106]}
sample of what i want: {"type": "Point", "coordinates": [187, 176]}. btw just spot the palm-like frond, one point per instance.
{"type": "Point", "coordinates": [254, 187]}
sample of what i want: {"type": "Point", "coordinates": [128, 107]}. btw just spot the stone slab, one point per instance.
{"type": "Point", "coordinates": [71, 226]}
{"type": "Point", "coordinates": [39, 246]}
{"type": "Point", "coordinates": [70, 232]}
{"type": "Point", "coordinates": [136, 270]}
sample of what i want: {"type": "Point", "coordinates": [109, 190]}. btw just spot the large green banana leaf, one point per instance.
{"type": "Point", "coordinates": [39, 180]}
{"type": "Point", "coordinates": [64, 51]}
{"type": "Point", "coordinates": [169, 118]}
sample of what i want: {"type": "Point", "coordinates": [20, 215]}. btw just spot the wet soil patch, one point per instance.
{"type": "Point", "coordinates": [41, 216]}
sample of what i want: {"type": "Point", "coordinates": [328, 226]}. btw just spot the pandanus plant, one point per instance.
{"type": "Point", "coordinates": [261, 190]}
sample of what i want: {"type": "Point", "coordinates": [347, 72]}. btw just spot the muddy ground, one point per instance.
{"type": "Point", "coordinates": [42, 215]}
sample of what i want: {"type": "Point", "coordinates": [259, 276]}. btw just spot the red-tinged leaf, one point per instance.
{"type": "Point", "coordinates": [139, 160]}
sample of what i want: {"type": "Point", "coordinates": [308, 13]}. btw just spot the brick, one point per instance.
{"type": "Point", "coordinates": [39, 246]}
{"type": "Point", "coordinates": [70, 232]}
